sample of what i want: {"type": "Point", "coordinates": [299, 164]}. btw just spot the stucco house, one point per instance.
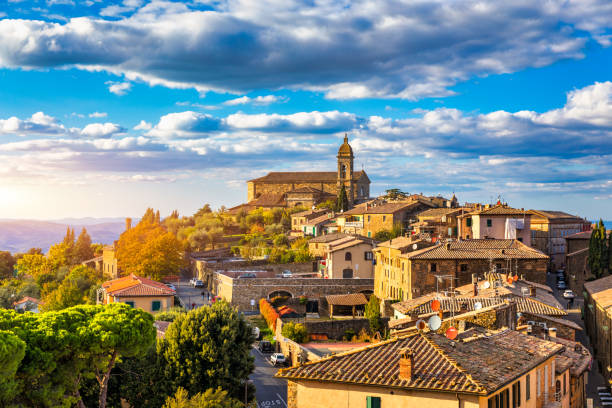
{"type": "Point", "coordinates": [143, 293]}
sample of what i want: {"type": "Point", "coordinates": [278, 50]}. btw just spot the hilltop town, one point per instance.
{"type": "Point", "coordinates": [340, 296]}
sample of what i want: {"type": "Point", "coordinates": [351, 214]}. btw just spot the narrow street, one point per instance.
{"type": "Point", "coordinates": [190, 297]}
{"type": "Point", "coordinates": [574, 314]}
{"type": "Point", "coordinates": [271, 391]}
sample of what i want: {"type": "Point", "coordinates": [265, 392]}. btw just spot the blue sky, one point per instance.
{"type": "Point", "coordinates": [107, 108]}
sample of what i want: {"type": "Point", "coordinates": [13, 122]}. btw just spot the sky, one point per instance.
{"type": "Point", "coordinates": [110, 107]}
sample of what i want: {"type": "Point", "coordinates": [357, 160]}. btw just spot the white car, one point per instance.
{"type": "Point", "coordinates": [278, 359]}
{"type": "Point", "coordinates": [568, 294]}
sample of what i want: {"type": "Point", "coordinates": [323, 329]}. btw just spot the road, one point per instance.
{"type": "Point", "coordinates": [191, 297]}
{"type": "Point", "coordinates": [271, 392]}
{"type": "Point", "coordinates": [574, 314]}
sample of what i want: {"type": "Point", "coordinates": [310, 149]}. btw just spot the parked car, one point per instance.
{"type": "Point", "coordinates": [198, 284]}
{"type": "Point", "coordinates": [265, 346]}
{"type": "Point", "coordinates": [278, 359]}
{"type": "Point", "coordinates": [256, 332]}
{"type": "Point", "coordinates": [247, 275]}
{"type": "Point", "coordinates": [192, 281]}
{"type": "Point", "coordinates": [286, 274]}
{"type": "Point", "coordinates": [561, 285]}
{"type": "Point", "coordinates": [568, 294]}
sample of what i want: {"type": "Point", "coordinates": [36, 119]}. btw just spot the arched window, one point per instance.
{"type": "Point", "coordinates": [343, 171]}
{"type": "Point", "coordinates": [348, 256]}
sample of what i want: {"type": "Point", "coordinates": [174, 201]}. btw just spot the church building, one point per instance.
{"type": "Point", "coordinates": [310, 188]}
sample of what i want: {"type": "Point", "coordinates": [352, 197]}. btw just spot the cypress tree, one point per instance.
{"type": "Point", "coordinates": [342, 203]}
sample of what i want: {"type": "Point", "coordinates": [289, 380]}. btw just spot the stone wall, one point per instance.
{"type": "Point", "coordinates": [335, 329]}
{"type": "Point", "coordinates": [257, 188]}
{"type": "Point", "coordinates": [577, 271]}
{"type": "Point", "coordinates": [563, 331]}
{"type": "Point", "coordinates": [240, 292]}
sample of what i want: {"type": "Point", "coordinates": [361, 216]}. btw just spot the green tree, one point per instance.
{"type": "Point", "coordinates": [295, 331]}
{"type": "Point", "coordinates": [372, 313]}
{"type": "Point", "coordinates": [7, 264]}
{"type": "Point", "coordinates": [209, 399]}
{"type": "Point", "coordinates": [342, 203]}
{"type": "Point", "coordinates": [34, 265]}
{"type": "Point", "coordinates": [82, 248]}
{"type": "Point", "coordinates": [383, 235]}
{"type": "Point", "coordinates": [61, 254]}
{"type": "Point", "coordinates": [202, 211]}
{"type": "Point", "coordinates": [395, 194]}
{"type": "Point", "coordinates": [208, 347]}
{"type": "Point", "coordinates": [598, 251]}
{"type": "Point", "coordinates": [12, 351]}
{"type": "Point", "coordinates": [76, 288]}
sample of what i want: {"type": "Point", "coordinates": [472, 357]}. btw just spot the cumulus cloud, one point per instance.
{"type": "Point", "coordinates": [259, 100]}
{"type": "Point", "coordinates": [39, 123]}
{"type": "Point", "coordinates": [98, 115]}
{"type": "Point", "coordinates": [143, 125]}
{"type": "Point", "coordinates": [101, 130]}
{"type": "Point", "coordinates": [365, 49]}
{"type": "Point", "coordinates": [119, 88]}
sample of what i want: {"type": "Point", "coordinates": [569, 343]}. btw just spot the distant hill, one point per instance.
{"type": "Point", "coordinates": [21, 235]}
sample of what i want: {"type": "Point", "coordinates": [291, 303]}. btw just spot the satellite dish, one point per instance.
{"type": "Point", "coordinates": [434, 323]}
{"type": "Point", "coordinates": [477, 306]}
{"type": "Point", "coordinates": [420, 324]}
{"type": "Point", "coordinates": [414, 246]}
{"type": "Point", "coordinates": [486, 285]}
{"type": "Point", "coordinates": [451, 333]}
{"type": "Point", "coordinates": [435, 305]}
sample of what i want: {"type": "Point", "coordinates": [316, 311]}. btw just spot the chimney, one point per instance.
{"type": "Point", "coordinates": [532, 290]}
{"type": "Point", "coordinates": [552, 332]}
{"type": "Point", "coordinates": [406, 363]}
{"type": "Point", "coordinates": [128, 224]}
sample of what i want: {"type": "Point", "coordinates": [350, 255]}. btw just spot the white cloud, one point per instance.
{"type": "Point", "coordinates": [143, 125]}
{"type": "Point", "coordinates": [98, 115]}
{"type": "Point", "coordinates": [367, 49]}
{"type": "Point", "coordinates": [259, 100]}
{"type": "Point", "coordinates": [101, 130]}
{"type": "Point", "coordinates": [39, 123]}
{"type": "Point", "coordinates": [119, 88]}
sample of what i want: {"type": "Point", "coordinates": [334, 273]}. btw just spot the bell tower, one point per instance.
{"type": "Point", "coordinates": [345, 169]}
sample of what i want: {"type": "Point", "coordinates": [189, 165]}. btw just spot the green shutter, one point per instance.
{"type": "Point", "coordinates": [155, 305]}
{"type": "Point", "coordinates": [131, 304]}
{"type": "Point", "coordinates": [373, 402]}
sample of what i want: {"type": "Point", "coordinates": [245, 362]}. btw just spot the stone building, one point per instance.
{"type": "Point", "coordinates": [143, 293]}
{"type": "Point", "coordinates": [109, 262]}
{"type": "Point", "coordinates": [438, 222]}
{"type": "Point", "coordinates": [577, 260]}
{"type": "Point", "coordinates": [426, 369]}
{"type": "Point", "coordinates": [548, 232]}
{"type": "Point", "coordinates": [598, 321]}
{"type": "Point", "coordinates": [498, 222]}
{"type": "Point", "coordinates": [349, 257]}
{"type": "Point", "coordinates": [406, 273]}
{"type": "Point", "coordinates": [310, 188]}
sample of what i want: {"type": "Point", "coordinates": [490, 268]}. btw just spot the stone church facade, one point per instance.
{"type": "Point", "coordinates": [309, 188]}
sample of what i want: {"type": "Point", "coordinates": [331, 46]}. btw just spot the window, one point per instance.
{"type": "Point", "coordinates": [368, 256]}
{"type": "Point", "coordinates": [384, 218]}
{"type": "Point", "coordinates": [368, 218]}
{"type": "Point", "coordinates": [528, 388]}
{"type": "Point", "coordinates": [432, 267]}
{"type": "Point", "coordinates": [489, 222]}
{"type": "Point", "coordinates": [516, 394]}
{"type": "Point", "coordinates": [463, 267]}
{"type": "Point", "coordinates": [130, 303]}
{"type": "Point", "coordinates": [347, 274]}
{"type": "Point", "coordinates": [501, 400]}
{"type": "Point", "coordinates": [468, 221]}
{"type": "Point", "coordinates": [373, 402]}
{"type": "Point", "coordinates": [343, 171]}
{"type": "Point", "coordinates": [348, 256]}
{"type": "Point", "coordinates": [369, 232]}
{"type": "Point", "coordinates": [538, 390]}
{"type": "Point", "coordinates": [155, 305]}
{"type": "Point", "coordinates": [565, 384]}
{"type": "Point", "coordinates": [520, 239]}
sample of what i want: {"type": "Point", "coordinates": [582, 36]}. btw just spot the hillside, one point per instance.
{"type": "Point", "coordinates": [21, 235]}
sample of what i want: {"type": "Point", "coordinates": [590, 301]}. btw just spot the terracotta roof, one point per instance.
{"type": "Point", "coordinates": [133, 285]}
{"type": "Point", "coordinates": [327, 238]}
{"type": "Point", "coordinates": [345, 245]}
{"type": "Point", "coordinates": [439, 212]}
{"type": "Point", "coordinates": [310, 190]}
{"type": "Point", "coordinates": [478, 249]}
{"type": "Point", "coordinates": [304, 177]}
{"type": "Point", "coordinates": [478, 362]}
{"type": "Point", "coordinates": [309, 212]}
{"type": "Point", "coordinates": [321, 219]}
{"type": "Point", "coordinates": [500, 210]}
{"type": "Point", "coordinates": [268, 200]}
{"type": "Point", "coordinates": [600, 290]}
{"type": "Point", "coordinates": [27, 299]}
{"type": "Point", "coordinates": [580, 235]}
{"type": "Point", "coordinates": [353, 299]}
{"type": "Point", "coordinates": [556, 215]}
{"type": "Point", "coordinates": [400, 242]}
{"type": "Point", "coordinates": [574, 356]}
{"type": "Point", "coordinates": [391, 208]}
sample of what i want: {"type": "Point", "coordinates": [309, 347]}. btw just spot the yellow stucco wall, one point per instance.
{"type": "Point", "coordinates": [145, 302]}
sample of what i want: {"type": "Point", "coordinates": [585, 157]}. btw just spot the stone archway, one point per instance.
{"type": "Point", "coordinates": [280, 292]}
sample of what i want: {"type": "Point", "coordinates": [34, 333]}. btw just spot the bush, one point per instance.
{"type": "Point", "coordinates": [268, 313]}
{"type": "Point", "coordinates": [302, 256]}
{"type": "Point", "coordinates": [295, 331]}
{"type": "Point", "coordinates": [281, 240]}
{"type": "Point", "coordinates": [287, 257]}
{"type": "Point", "coordinates": [349, 334]}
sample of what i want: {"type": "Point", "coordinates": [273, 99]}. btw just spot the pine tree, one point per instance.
{"type": "Point", "coordinates": [82, 249]}
{"type": "Point", "coordinates": [598, 251]}
{"type": "Point", "coordinates": [157, 218]}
